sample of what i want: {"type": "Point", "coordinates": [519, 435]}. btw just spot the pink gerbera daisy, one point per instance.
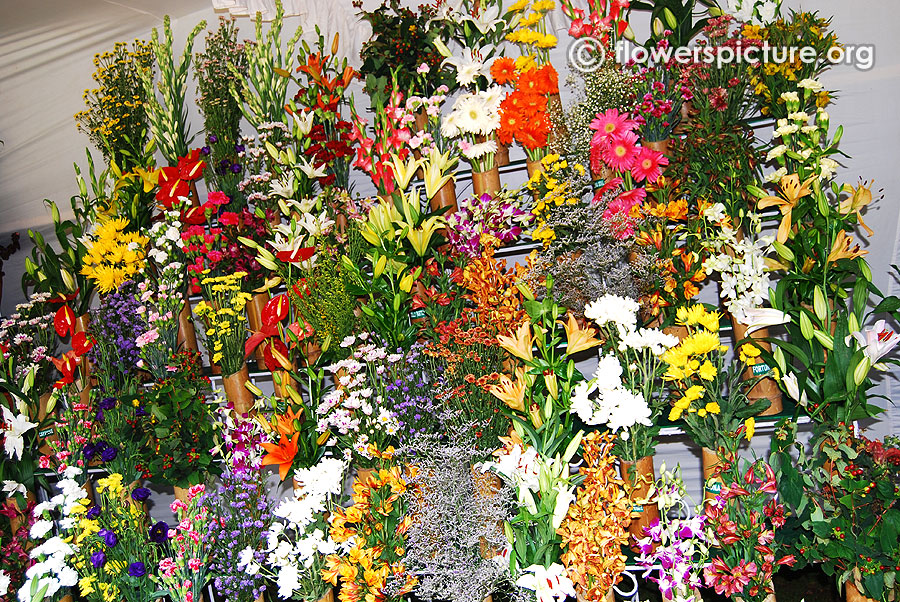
{"type": "Point", "coordinates": [648, 165]}
{"type": "Point", "coordinates": [609, 125]}
{"type": "Point", "coordinates": [621, 152]}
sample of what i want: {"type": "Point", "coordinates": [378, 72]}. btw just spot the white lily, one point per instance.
{"type": "Point", "coordinates": [16, 426]}
{"type": "Point", "coordinates": [283, 188]}
{"type": "Point", "coordinates": [550, 584]}
{"type": "Point", "coordinates": [790, 383]}
{"type": "Point", "coordinates": [876, 341]}
{"type": "Point", "coordinates": [756, 318]}
{"type": "Point", "coordinates": [309, 170]}
{"type": "Point", "coordinates": [488, 20]}
{"type": "Point", "coordinates": [303, 122]}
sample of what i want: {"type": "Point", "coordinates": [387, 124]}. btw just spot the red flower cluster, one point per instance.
{"type": "Point", "coordinates": [175, 181]}
{"type": "Point", "coordinates": [373, 155]}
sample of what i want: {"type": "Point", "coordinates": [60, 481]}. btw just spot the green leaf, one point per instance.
{"type": "Point", "coordinates": [887, 305]}
{"type": "Point", "coordinates": [890, 529]}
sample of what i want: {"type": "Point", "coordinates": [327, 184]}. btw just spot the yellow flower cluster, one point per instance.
{"type": "Point", "coordinates": [528, 26]}
{"type": "Point", "coordinates": [225, 318]}
{"type": "Point", "coordinates": [695, 361]}
{"type": "Point", "coordinates": [552, 187]}
{"type": "Point", "coordinates": [113, 255]}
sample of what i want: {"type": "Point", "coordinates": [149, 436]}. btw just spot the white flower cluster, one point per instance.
{"type": "Point", "coordinates": [474, 114]}
{"type": "Point", "coordinates": [755, 12]}
{"type": "Point", "coordinates": [295, 542]}
{"type": "Point", "coordinates": [742, 267]}
{"type": "Point", "coordinates": [51, 569]}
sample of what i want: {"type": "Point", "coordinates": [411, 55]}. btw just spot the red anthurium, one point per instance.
{"type": "Point", "coordinates": [275, 310]}
{"type": "Point", "coordinates": [81, 343]}
{"type": "Point", "coordinates": [171, 187]}
{"type": "Point", "coordinates": [301, 332]}
{"type": "Point", "coordinates": [275, 355]}
{"type": "Point", "coordinates": [64, 322]}
{"type": "Point", "coordinates": [193, 216]}
{"type": "Point", "coordinates": [61, 298]}
{"type": "Point", "coordinates": [191, 166]}
{"type": "Point", "coordinates": [66, 366]}
{"type": "Point", "coordinates": [297, 256]}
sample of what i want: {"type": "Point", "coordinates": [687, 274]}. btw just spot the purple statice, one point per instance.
{"type": "Point", "coordinates": [498, 216]}
{"type": "Point", "coordinates": [243, 513]}
{"type": "Point", "coordinates": [409, 395]}
{"type": "Point", "coordinates": [115, 324]}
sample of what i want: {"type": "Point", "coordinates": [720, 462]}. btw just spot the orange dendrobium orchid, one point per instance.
{"type": "Point", "coordinates": [791, 192]}
{"type": "Point", "coordinates": [509, 392]}
{"type": "Point", "coordinates": [843, 248]}
{"type": "Point", "coordinates": [519, 344]}
{"type": "Point", "coordinates": [282, 454]}
{"type": "Point", "coordinates": [577, 338]}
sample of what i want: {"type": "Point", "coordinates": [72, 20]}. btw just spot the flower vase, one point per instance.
{"type": "Point", "coordinates": [254, 316]}
{"type": "Point", "coordinates": [639, 477]}
{"type": "Point", "coordinates": [501, 157]}
{"type": "Point", "coordinates": [559, 134]}
{"type": "Point", "coordinates": [610, 595]}
{"type": "Point", "coordinates": [486, 182]}
{"type": "Point", "coordinates": [195, 196]}
{"type": "Point", "coordinates": [853, 593]}
{"type": "Point", "coordinates": [181, 493]}
{"type": "Point", "coordinates": [487, 484]}
{"type": "Point", "coordinates": [445, 197]}
{"type": "Point", "coordinates": [363, 475]}
{"type": "Point", "coordinates": [533, 167]}
{"type": "Point", "coordinates": [765, 388]}
{"type": "Point", "coordinates": [712, 483]}
{"type": "Point", "coordinates": [769, 597]}
{"type": "Point", "coordinates": [661, 146]}
{"type": "Point", "coordinates": [237, 394]}
{"type": "Point", "coordinates": [676, 331]}
{"type": "Point", "coordinates": [187, 335]}
{"type": "Point", "coordinates": [45, 435]}
{"type": "Point", "coordinates": [328, 597]}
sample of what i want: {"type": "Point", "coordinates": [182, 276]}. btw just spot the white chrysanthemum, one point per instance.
{"type": "Point", "coordinates": [622, 311]}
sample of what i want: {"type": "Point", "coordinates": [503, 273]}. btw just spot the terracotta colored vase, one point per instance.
{"type": "Point", "coordinates": [240, 397]}
{"type": "Point", "coordinates": [533, 167]}
{"type": "Point", "coordinates": [328, 597]}
{"type": "Point", "coordinates": [852, 592]}
{"type": "Point", "coordinates": [445, 197]}
{"type": "Point", "coordinates": [187, 335]}
{"type": "Point", "coordinates": [639, 477]}
{"type": "Point", "coordinates": [181, 493]}
{"type": "Point", "coordinates": [766, 388]}
{"type": "Point", "coordinates": [661, 146]}
{"type": "Point", "coordinates": [712, 485]}
{"type": "Point", "coordinates": [282, 383]}
{"type": "Point", "coordinates": [501, 157]}
{"type": "Point", "coordinates": [486, 182]}
{"type": "Point", "coordinates": [254, 315]}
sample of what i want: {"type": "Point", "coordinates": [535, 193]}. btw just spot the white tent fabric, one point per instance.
{"type": "Point", "coordinates": [47, 46]}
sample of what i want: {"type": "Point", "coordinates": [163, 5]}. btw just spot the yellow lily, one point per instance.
{"type": "Point", "coordinates": [509, 392]}
{"type": "Point", "coordinates": [519, 344]}
{"type": "Point", "coordinates": [843, 248]}
{"type": "Point", "coordinates": [435, 171]}
{"type": "Point", "coordinates": [577, 338]}
{"type": "Point", "coordinates": [380, 225]}
{"type": "Point", "coordinates": [149, 177]}
{"type": "Point", "coordinates": [791, 192]}
{"type": "Point", "coordinates": [420, 238]}
{"type": "Point", "coordinates": [404, 171]}
{"type": "Point", "coordinates": [860, 196]}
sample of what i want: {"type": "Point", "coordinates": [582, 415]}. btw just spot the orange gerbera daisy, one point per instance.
{"type": "Point", "coordinates": [503, 70]}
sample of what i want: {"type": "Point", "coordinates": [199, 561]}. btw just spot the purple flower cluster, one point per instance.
{"type": "Point", "coordinates": [496, 216]}
{"type": "Point", "coordinates": [115, 324]}
{"type": "Point", "coordinates": [409, 395]}
{"type": "Point", "coordinates": [242, 512]}
{"type": "Point", "coordinates": [101, 449]}
{"type": "Point", "coordinates": [672, 564]}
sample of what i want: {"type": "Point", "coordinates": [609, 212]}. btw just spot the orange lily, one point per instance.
{"type": "Point", "coordinates": [843, 248]}
{"type": "Point", "coordinates": [509, 392]}
{"type": "Point", "coordinates": [791, 193]}
{"type": "Point", "coordinates": [860, 196]}
{"type": "Point", "coordinates": [284, 423]}
{"type": "Point", "coordinates": [577, 338]}
{"type": "Point", "coordinates": [519, 344]}
{"type": "Point", "coordinates": [282, 454]}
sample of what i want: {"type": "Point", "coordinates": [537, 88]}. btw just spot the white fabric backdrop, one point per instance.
{"type": "Point", "coordinates": [47, 46]}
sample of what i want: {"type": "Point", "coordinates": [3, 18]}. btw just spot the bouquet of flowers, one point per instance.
{"type": "Point", "coordinates": [117, 326]}
{"type": "Point", "coordinates": [184, 575]}
{"type": "Point", "coordinates": [628, 383]}
{"type": "Point", "coordinates": [660, 92]}
{"type": "Point", "coordinates": [474, 118]}
{"type": "Point", "coordinates": [298, 541]}
{"type": "Point", "coordinates": [523, 112]}
{"type": "Point", "coordinates": [498, 216]}
{"type": "Point", "coordinates": [226, 323]}
{"type": "Point", "coordinates": [708, 395]}
{"type": "Point", "coordinates": [114, 254]}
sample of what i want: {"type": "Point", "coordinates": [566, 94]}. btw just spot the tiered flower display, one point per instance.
{"type": "Point", "coordinates": [466, 397]}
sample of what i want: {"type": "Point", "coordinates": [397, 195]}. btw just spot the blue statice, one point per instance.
{"type": "Point", "coordinates": [115, 325]}
{"type": "Point", "coordinates": [244, 513]}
